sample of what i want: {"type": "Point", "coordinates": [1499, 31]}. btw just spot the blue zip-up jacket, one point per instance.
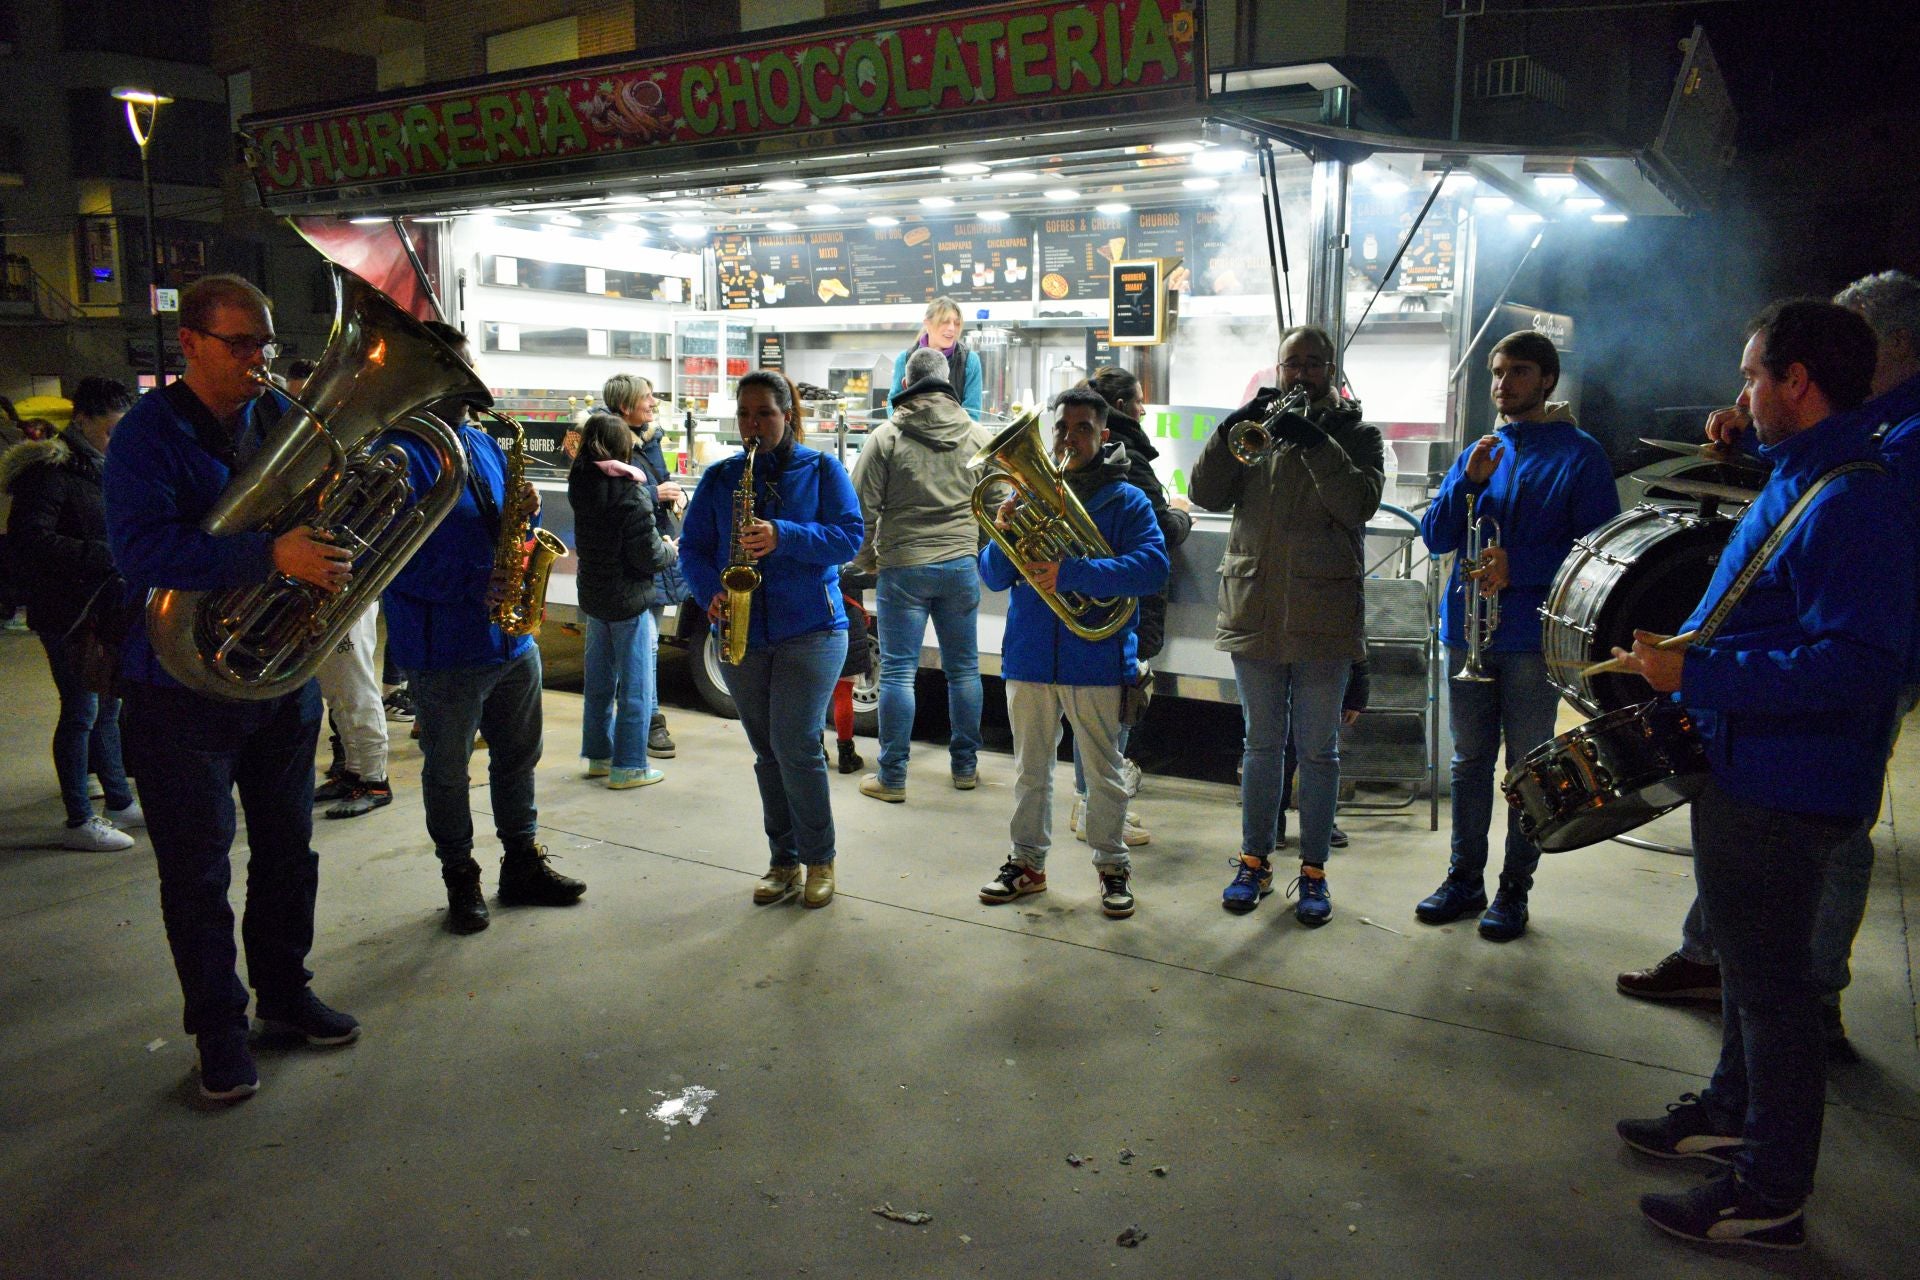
{"type": "Point", "coordinates": [437, 616]}
{"type": "Point", "coordinates": [1037, 646]}
{"type": "Point", "coordinates": [1895, 415]}
{"type": "Point", "coordinates": [158, 485]}
{"type": "Point", "coordinates": [1553, 484]}
{"type": "Point", "coordinates": [970, 385]}
{"type": "Point", "coordinates": [1794, 696]}
{"type": "Point", "coordinates": [809, 500]}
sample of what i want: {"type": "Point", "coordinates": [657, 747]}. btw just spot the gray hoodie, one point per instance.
{"type": "Point", "coordinates": [914, 482]}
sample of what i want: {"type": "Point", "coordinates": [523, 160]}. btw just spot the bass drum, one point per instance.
{"type": "Point", "coordinates": [1645, 568]}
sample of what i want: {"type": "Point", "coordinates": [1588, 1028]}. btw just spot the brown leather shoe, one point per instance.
{"type": "Point", "coordinates": [819, 885]}
{"type": "Point", "coordinates": [779, 884]}
{"type": "Point", "coordinates": [1674, 978]}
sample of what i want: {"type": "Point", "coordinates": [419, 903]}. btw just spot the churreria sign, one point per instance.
{"type": "Point", "coordinates": [978, 62]}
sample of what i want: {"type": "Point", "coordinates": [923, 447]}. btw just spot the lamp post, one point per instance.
{"type": "Point", "coordinates": [143, 110]}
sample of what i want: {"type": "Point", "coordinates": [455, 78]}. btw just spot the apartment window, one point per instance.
{"type": "Point", "coordinates": [162, 29]}
{"type": "Point", "coordinates": [535, 46]}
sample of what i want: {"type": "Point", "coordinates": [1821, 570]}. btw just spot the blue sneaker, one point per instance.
{"type": "Point", "coordinates": [1506, 919]}
{"type": "Point", "coordinates": [1453, 899]}
{"type": "Point", "coordinates": [227, 1073]}
{"type": "Point", "coordinates": [619, 779]}
{"type": "Point", "coordinates": [304, 1016]}
{"type": "Point", "coordinates": [1252, 881]}
{"type": "Point", "coordinates": [1315, 905]}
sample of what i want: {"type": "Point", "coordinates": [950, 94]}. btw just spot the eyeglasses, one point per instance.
{"type": "Point", "coordinates": [243, 345]}
{"type": "Point", "coordinates": [1315, 365]}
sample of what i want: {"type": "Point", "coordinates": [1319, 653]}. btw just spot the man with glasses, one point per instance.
{"type": "Point", "coordinates": [168, 461]}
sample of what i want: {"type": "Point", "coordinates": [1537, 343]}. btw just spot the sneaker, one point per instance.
{"type": "Point", "coordinates": [1674, 978]}
{"type": "Point", "coordinates": [338, 786]}
{"type": "Point", "coordinates": [130, 818]}
{"type": "Point", "coordinates": [399, 705]}
{"type": "Point", "coordinates": [625, 779]}
{"type": "Point", "coordinates": [305, 1016]}
{"type": "Point", "coordinates": [1079, 815]}
{"type": "Point", "coordinates": [849, 760]}
{"type": "Point", "coordinates": [1013, 881]}
{"type": "Point", "coordinates": [819, 890]}
{"type": "Point", "coordinates": [779, 884]}
{"type": "Point", "coordinates": [17, 624]}
{"type": "Point", "coordinates": [872, 786]}
{"type": "Point", "coordinates": [1453, 899]}
{"type": "Point", "coordinates": [965, 781]}
{"type": "Point", "coordinates": [527, 879]}
{"type": "Point", "coordinates": [1727, 1211]}
{"type": "Point", "coordinates": [1252, 881]}
{"type": "Point", "coordinates": [1116, 897]}
{"type": "Point", "coordinates": [96, 835]}
{"type": "Point", "coordinates": [227, 1073]}
{"type": "Point", "coordinates": [363, 799]}
{"type": "Point", "coordinates": [94, 790]}
{"type": "Point", "coordinates": [1316, 904]}
{"type": "Point", "coordinates": [598, 768]}
{"type": "Point", "coordinates": [1133, 832]}
{"type": "Point", "coordinates": [1506, 919]}
{"type": "Point", "coordinates": [1685, 1132]}
{"type": "Point", "coordinates": [659, 741]}
{"type": "Point", "coordinates": [1130, 777]}
{"type": "Point", "coordinates": [1337, 840]}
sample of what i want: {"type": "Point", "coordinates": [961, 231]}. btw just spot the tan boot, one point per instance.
{"type": "Point", "coordinates": [819, 885]}
{"type": "Point", "coordinates": [779, 884]}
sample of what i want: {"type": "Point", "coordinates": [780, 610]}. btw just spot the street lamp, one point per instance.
{"type": "Point", "coordinates": [143, 109]}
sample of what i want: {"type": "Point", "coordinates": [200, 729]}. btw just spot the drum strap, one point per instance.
{"type": "Point", "coordinates": [1753, 567]}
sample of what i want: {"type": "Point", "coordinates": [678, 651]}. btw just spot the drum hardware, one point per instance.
{"type": "Point", "coordinates": [1708, 453]}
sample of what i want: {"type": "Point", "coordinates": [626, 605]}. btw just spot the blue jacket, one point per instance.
{"type": "Point", "coordinates": [1037, 646]}
{"type": "Point", "coordinates": [437, 615]}
{"type": "Point", "coordinates": [810, 502]}
{"type": "Point", "coordinates": [158, 485]}
{"type": "Point", "coordinates": [1896, 417]}
{"type": "Point", "coordinates": [1553, 484]}
{"type": "Point", "coordinates": [969, 391]}
{"type": "Point", "coordinates": [1794, 696]}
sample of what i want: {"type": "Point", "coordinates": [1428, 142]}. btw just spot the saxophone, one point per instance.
{"type": "Point", "coordinates": [519, 610]}
{"type": "Point", "coordinates": [739, 578]}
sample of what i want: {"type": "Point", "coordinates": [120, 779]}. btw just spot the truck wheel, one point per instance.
{"type": "Point", "coordinates": [703, 664]}
{"type": "Point", "coordinates": [866, 692]}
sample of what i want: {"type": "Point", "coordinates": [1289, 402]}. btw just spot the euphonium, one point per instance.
{"type": "Point", "coordinates": [740, 578]}
{"type": "Point", "coordinates": [1251, 442]}
{"type": "Point", "coordinates": [1048, 524]}
{"type": "Point", "coordinates": [321, 467]}
{"type": "Point", "coordinates": [523, 556]}
{"type": "Point", "coordinates": [1483, 611]}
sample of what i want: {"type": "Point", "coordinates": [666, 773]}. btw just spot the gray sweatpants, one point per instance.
{"type": "Point", "coordinates": [1034, 711]}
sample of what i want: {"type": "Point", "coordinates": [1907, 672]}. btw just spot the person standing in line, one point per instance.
{"type": "Point", "coordinates": [940, 333]}
{"type": "Point", "coordinates": [634, 400]}
{"type": "Point", "coordinates": [1546, 483]}
{"type": "Point", "coordinates": [1292, 608]}
{"type": "Point", "coordinates": [915, 484]}
{"type": "Point", "coordinates": [805, 524]}
{"type": "Point", "coordinates": [167, 463]}
{"type": "Point", "coordinates": [58, 530]}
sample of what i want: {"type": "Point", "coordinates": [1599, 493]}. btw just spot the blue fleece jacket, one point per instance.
{"type": "Point", "coordinates": [1037, 646]}
{"type": "Point", "coordinates": [1552, 484]}
{"type": "Point", "coordinates": [158, 485]}
{"type": "Point", "coordinates": [436, 607]}
{"type": "Point", "coordinates": [970, 392]}
{"type": "Point", "coordinates": [810, 502]}
{"type": "Point", "coordinates": [1794, 696]}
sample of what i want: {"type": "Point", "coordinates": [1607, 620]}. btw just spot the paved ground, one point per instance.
{"type": "Point", "coordinates": [1369, 1099]}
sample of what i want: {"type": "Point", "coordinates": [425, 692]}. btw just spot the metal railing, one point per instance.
{"type": "Point", "coordinates": [1520, 76]}
{"type": "Point", "coordinates": [26, 289]}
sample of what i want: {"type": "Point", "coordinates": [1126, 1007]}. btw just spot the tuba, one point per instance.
{"type": "Point", "coordinates": [523, 557]}
{"type": "Point", "coordinates": [321, 466]}
{"type": "Point", "coordinates": [1251, 442]}
{"type": "Point", "coordinates": [740, 578]}
{"type": "Point", "coordinates": [1048, 524]}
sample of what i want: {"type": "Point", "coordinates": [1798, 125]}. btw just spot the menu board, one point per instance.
{"type": "Point", "coordinates": [1075, 251]}
{"type": "Point", "coordinates": [892, 264]}
{"type": "Point", "coordinates": [984, 261]}
{"type": "Point", "coordinates": [1138, 314]}
{"type": "Point", "coordinates": [1381, 222]}
{"type": "Point", "coordinates": [970, 261]}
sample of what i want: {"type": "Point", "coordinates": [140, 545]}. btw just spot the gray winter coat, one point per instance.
{"type": "Point", "coordinates": [1290, 581]}
{"type": "Point", "coordinates": [915, 487]}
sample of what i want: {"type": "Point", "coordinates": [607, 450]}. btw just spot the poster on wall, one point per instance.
{"type": "Point", "coordinates": [1381, 222]}
{"type": "Point", "coordinates": [1075, 251]}
{"type": "Point", "coordinates": [980, 261]}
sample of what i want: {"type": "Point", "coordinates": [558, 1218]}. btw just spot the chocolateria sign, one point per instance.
{"type": "Point", "coordinates": [939, 69]}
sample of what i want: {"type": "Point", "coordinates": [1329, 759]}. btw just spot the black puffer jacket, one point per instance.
{"type": "Point", "coordinates": [1175, 524]}
{"type": "Point", "coordinates": [57, 530]}
{"type": "Point", "coordinates": [616, 538]}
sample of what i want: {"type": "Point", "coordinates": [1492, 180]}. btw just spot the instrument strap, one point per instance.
{"type": "Point", "coordinates": [482, 495]}
{"type": "Point", "coordinates": [1760, 557]}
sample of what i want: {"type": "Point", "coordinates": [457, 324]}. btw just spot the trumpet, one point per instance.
{"type": "Point", "coordinates": [1483, 610]}
{"type": "Point", "coordinates": [1253, 442]}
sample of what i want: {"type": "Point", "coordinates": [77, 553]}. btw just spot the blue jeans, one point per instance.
{"type": "Point", "coordinates": [782, 692]}
{"type": "Point", "coordinates": [190, 753]}
{"type": "Point", "coordinates": [949, 594]}
{"type": "Point", "coordinates": [1759, 873]}
{"type": "Point", "coordinates": [86, 739]}
{"type": "Point", "coordinates": [619, 690]}
{"type": "Point", "coordinates": [1307, 694]}
{"type": "Point", "coordinates": [1518, 705]}
{"type": "Point", "coordinates": [501, 701]}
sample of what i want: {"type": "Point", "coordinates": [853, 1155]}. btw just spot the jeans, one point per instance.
{"type": "Point", "coordinates": [1034, 711]}
{"type": "Point", "coordinates": [782, 692]}
{"type": "Point", "coordinates": [86, 739]}
{"type": "Point", "coordinates": [619, 690]}
{"type": "Point", "coordinates": [949, 594]}
{"type": "Point", "coordinates": [190, 753]}
{"type": "Point", "coordinates": [1519, 705]}
{"type": "Point", "coordinates": [501, 701]}
{"type": "Point", "coordinates": [1309, 695]}
{"type": "Point", "coordinates": [1759, 876]}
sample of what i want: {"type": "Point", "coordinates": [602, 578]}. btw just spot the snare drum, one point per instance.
{"type": "Point", "coordinates": [1645, 568]}
{"type": "Point", "coordinates": [1610, 775]}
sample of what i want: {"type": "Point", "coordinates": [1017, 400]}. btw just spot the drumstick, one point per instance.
{"type": "Point", "coordinates": [1612, 665]}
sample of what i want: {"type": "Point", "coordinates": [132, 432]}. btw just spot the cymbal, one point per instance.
{"type": "Point", "coordinates": [1692, 488]}
{"type": "Point", "coordinates": [1706, 453]}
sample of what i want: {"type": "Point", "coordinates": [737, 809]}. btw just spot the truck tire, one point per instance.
{"type": "Point", "coordinates": [703, 664]}
{"type": "Point", "coordinates": [866, 692]}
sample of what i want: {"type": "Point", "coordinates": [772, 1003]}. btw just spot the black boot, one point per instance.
{"type": "Point", "coordinates": [527, 879]}
{"type": "Point", "coordinates": [850, 761]}
{"type": "Point", "coordinates": [466, 905]}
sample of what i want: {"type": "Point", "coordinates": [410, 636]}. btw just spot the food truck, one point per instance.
{"type": "Point", "coordinates": [794, 202]}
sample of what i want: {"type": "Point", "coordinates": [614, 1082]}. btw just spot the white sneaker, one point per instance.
{"type": "Point", "coordinates": [129, 818]}
{"type": "Point", "coordinates": [1130, 777]}
{"type": "Point", "coordinates": [96, 835]}
{"type": "Point", "coordinates": [1132, 831]}
{"type": "Point", "coordinates": [94, 790]}
{"type": "Point", "coordinates": [1079, 814]}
